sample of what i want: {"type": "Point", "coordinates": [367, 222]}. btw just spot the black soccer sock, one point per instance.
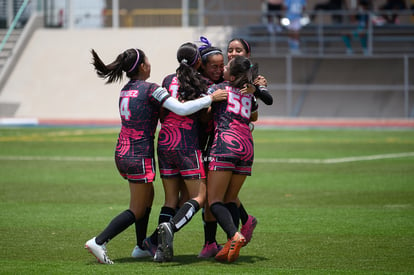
{"type": "Point", "coordinates": [235, 213]}
{"type": "Point", "coordinates": [166, 215]}
{"type": "Point", "coordinates": [141, 227]}
{"type": "Point", "coordinates": [116, 226]}
{"type": "Point", "coordinates": [210, 230]}
{"type": "Point", "coordinates": [243, 214]}
{"type": "Point", "coordinates": [184, 215]}
{"type": "Point", "coordinates": [224, 218]}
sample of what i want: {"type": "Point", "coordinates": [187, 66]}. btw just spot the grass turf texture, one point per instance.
{"type": "Point", "coordinates": [344, 218]}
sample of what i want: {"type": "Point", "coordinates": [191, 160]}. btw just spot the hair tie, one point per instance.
{"type": "Point", "coordinates": [206, 42]}
{"type": "Point", "coordinates": [184, 61]}
{"type": "Point", "coordinates": [195, 59]}
{"type": "Point", "coordinates": [136, 62]}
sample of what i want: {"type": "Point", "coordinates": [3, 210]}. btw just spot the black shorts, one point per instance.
{"type": "Point", "coordinates": [187, 164]}
{"type": "Point", "coordinates": [136, 170]}
{"type": "Point", "coordinates": [231, 164]}
{"type": "Point", "coordinates": [274, 7]}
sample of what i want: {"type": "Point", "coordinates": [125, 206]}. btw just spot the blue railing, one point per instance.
{"type": "Point", "coordinates": [13, 24]}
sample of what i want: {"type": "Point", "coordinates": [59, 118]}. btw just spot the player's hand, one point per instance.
{"type": "Point", "coordinates": [248, 89]}
{"type": "Point", "coordinates": [219, 95]}
{"type": "Point", "coordinates": [251, 126]}
{"type": "Point", "coordinates": [260, 81]}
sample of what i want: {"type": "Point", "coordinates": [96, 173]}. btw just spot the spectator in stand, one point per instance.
{"type": "Point", "coordinates": [412, 6]}
{"type": "Point", "coordinates": [412, 10]}
{"type": "Point", "coordinates": [361, 18]}
{"type": "Point", "coordinates": [274, 10]}
{"type": "Point", "coordinates": [389, 9]}
{"type": "Point", "coordinates": [331, 5]}
{"type": "Point", "coordinates": [294, 11]}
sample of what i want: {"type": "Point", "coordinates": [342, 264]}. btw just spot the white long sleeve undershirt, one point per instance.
{"type": "Point", "coordinates": [188, 107]}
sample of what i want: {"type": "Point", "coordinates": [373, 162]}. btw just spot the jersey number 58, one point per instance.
{"type": "Point", "coordinates": [239, 105]}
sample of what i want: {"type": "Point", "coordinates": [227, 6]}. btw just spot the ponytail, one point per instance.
{"type": "Point", "coordinates": [127, 62]}
{"type": "Point", "coordinates": [243, 71]}
{"type": "Point", "coordinates": [192, 85]}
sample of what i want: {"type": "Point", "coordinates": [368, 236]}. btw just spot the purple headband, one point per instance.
{"type": "Point", "coordinates": [136, 62]}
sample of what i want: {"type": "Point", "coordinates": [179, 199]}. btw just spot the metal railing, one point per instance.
{"type": "Point", "coordinates": [14, 40]}
{"type": "Point", "coordinates": [404, 84]}
{"type": "Point", "coordinates": [13, 24]}
{"type": "Point", "coordinates": [322, 36]}
{"type": "Point", "coordinates": [318, 38]}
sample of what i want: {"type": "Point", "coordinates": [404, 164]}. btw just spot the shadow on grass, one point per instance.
{"type": "Point", "coordinates": [192, 259]}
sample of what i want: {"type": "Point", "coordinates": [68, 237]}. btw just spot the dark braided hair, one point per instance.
{"type": "Point", "coordinates": [129, 62]}
{"type": "Point", "coordinates": [192, 84]}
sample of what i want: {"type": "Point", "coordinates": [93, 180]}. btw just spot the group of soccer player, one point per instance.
{"type": "Point", "coordinates": [205, 146]}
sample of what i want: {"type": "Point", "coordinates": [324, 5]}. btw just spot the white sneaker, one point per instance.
{"type": "Point", "coordinates": [99, 251]}
{"type": "Point", "coordinates": [140, 253]}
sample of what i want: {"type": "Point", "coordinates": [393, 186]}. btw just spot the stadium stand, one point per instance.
{"type": "Point", "coordinates": [59, 82]}
{"type": "Point", "coordinates": [327, 39]}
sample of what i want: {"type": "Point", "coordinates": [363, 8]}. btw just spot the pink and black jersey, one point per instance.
{"type": "Point", "coordinates": [177, 132]}
{"type": "Point", "coordinates": [170, 83]}
{"type": "Point", "coordinates": [206, 129]}
{"type": "Point", "coordinates": [139, 107]}
{"type": "Point", "coordinates": [232, 135]}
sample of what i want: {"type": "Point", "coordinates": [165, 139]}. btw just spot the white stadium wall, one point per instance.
{"type": "Point", "coordinates": [54, 78]}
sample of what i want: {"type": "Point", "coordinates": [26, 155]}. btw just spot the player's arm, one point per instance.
{"type": "Point", "coordinates": [206, 115]}
{"type": "Point", "coordinates": [263, 94]}
{"type": "Point", "coordinates": [192, 106]}
{"type": "Point", "coordinates": [258, 90]}
{"type": "Point", "coordinates": [254, 114]}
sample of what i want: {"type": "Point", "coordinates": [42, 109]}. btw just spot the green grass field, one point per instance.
{"type": "Point", "coordinates": [327, 202]}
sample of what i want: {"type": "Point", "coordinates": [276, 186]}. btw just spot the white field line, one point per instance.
{"type": "Point", "coordinates": [57, 158]}
{"type": "Point", "coordinates": [260, 160]}
{"type": "Point", "coordinates": [338, 160]}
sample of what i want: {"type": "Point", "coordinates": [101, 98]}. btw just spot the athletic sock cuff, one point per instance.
{"type": "Point", "coordinates": [195, 204]}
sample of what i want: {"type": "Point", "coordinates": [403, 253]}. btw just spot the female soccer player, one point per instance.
{"type": "Point", "coordinates": [139, 106]}
{"type": "Point", "coordinates": [240, 47]}
{"type": "Point", "coordinates": [212, 58]}
{"type": "Point", "coordinates": [179, 151]}
{"type": "Point", "coordinates": [231, 152]}
{"type": "Point", "coordinates": [212, 69]}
